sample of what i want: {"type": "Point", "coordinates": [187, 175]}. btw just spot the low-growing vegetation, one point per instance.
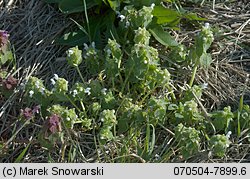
{"type": "Point", "coordinates": [134, 98]}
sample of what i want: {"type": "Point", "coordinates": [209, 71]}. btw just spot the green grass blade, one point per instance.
{"type": "Point", "coordinates": [152, 143]}
{"type": "Point", "coordinates": [21, 155]}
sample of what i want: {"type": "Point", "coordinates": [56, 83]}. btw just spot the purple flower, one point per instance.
{"type": "Point", "coordinates": [3, 40]}
{"type": "Point", "coordinates": [54, 123]}
{"type": "Point", "coordinates": [27, 113]}
{"type": "Point", "coordinates": [10, 83]}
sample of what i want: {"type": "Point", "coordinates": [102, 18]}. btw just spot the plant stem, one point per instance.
{"type": "Point", "coordinates": [79, 72]}
{"type": "Point", "coordinates": [72, 102]}
{"type": "Point", "coordinates": [126, 80]}
{"type": "Point", "coordinates": [171, 93]}
{"type": "Point", "coordinates": [193, 75]}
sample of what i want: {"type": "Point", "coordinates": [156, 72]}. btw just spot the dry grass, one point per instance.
{"type": "Point", "coordinates": [227, 78]}
{"type": "Point", "coordinates": [33, 25]}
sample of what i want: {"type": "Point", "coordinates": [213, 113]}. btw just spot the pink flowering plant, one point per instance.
{"type": "Point", "coordinates": [5, 52]}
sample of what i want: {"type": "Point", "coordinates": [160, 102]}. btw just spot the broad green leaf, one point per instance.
{"type": "Point", "coordinates": [73, 38]}
{"type": "Point", "coordinates": [163, 36]}
{"type": "Point", "coordinates": [114, 4]}
{"type": "Point", "coordinates": [165, 15]}
{"type": "Point", "coordinates": [69, 6]}
{"type": "Point", "coordinates": [140, 3]}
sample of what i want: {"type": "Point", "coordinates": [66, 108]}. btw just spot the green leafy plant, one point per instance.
{"type": "Point", "coordinates": [188, 140]}
{"type": "Point", "coordinates": [128, 94]}
{"type": "Point", "coordinates": [5, 51]}
{"type": "Point", "coordinates": [219, 144]}
{"type": "Point", "coordinates": [102, 24]}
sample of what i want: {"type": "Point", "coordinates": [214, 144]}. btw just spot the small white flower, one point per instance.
{"type": "Point", "coordinates": [125, 8]}
{"type": "Point", "coordinates": [86, 47]}
{"type": "Point", "coordinates": [127, 24]}
{"type": "Point", "coordinates": [152, 5]}
{"type": "Point", "coordinates": [108, 52]}
{"type": "Point", "coordinates": [31, 93]}
{"type": "Point", "coordinates": [42, 91]}
{"type": "Point", "coordinates": [157, 156]}
{"type": "Point", "coordinates": [93, 44]}
{"type": "Point", "coordinates": [207, 25]}
{"type": "Point", "coordinates": [104, 91]}
{"type": "Point", "coordinates": [118, 45]}
{"type": "Point", "coordinates": [52, 81]}
{"type": "Point", "coordinates": [70, 52]}
{"type": "Point", "coordinates": [204, 85]}
{"type": "Point", "coordinates": [102, 119]}
{"type": "Point", "coordinates": [228, 134]}
{"type": "Point", "coordinates": [87, 91]}
{"type": "Point", "coordinates": [74, 93]}
{"type": "Point", "coordinates": [122, 17]}
{"type": "Point", "coordinates": [145, 62]}
{"type": "Point", "coordinates": [152, 16]}
{"type": "Point", "coordinates": [67, 119]}
{"type": "Point", "coordinates": [56, 77]}
{"type": "Point", "coordinates": [37, 84]}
